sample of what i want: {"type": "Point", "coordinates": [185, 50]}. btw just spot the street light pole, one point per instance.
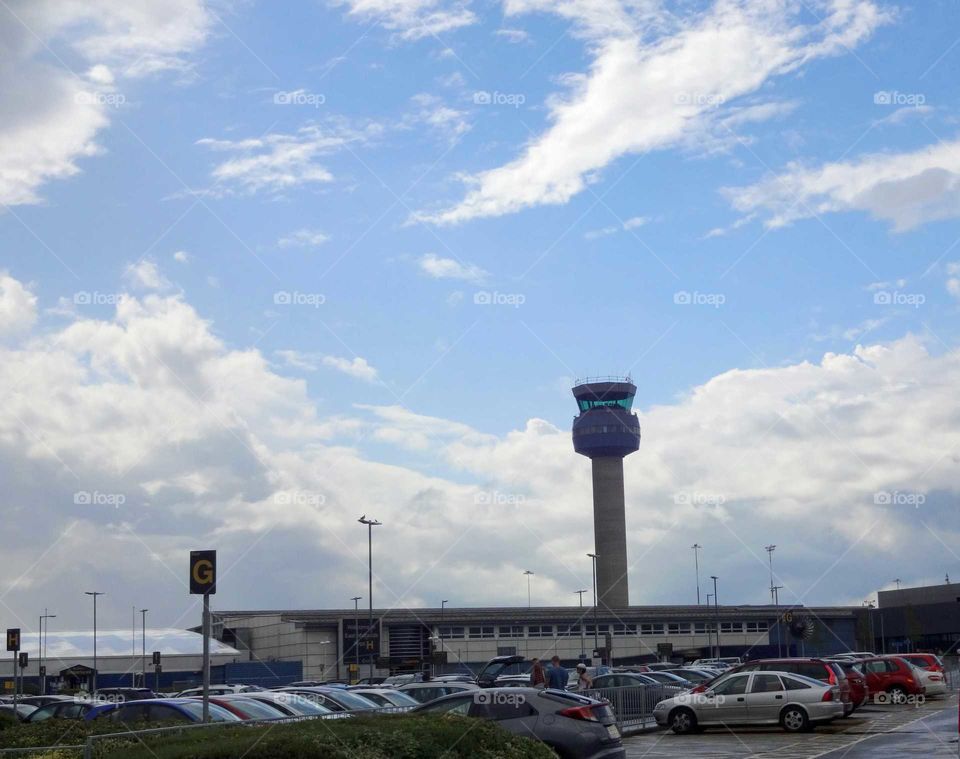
{"type": "Point", "coordinates": [370, 523]}
{"type": "Point", "coordinates": [143, 649]}
{"type": "Point", "coordinates": [42, 649]}
{"type": "Point", "coordinates": [596, 634]}
{"type": "Point", "coordinates": [770, 549]}
{"type": "Point", "coordinates": [94, 593]}
{"type": "Point", "coordinates": [716, 608]}
{"type": "Point", "coordinates": [696, 561]}
{"type": "Point", "coordinates": [356, 631]}
{"type": "Point", "coordinates": [529, 574]}
{"type": "Point", "coordinates": [776, 605]}
{"type": "Point", "coordinates": [583, 652]}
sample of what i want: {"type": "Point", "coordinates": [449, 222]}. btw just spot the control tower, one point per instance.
{"type": "Point", "coordinates": [607, 430]}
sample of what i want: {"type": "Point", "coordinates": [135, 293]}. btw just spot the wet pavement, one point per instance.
{"type": "Point", "coordinates": [928, 730]}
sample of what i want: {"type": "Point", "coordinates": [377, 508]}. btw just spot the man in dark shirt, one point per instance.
{"type": "Point", "coordinates": [557, 676]}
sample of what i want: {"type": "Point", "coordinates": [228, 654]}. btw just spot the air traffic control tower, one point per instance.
{"type": "Point", "coordinates": [607, 430]}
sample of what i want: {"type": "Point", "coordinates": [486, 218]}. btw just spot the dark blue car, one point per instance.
{"type": "Point", "coordinates": [159, 710]}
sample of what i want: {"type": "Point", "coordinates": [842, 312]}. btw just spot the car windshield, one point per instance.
{"type": "Point", "coordinates": [302, 704]}
{"type": "Point", "coordinates": [256, 709]}
{"type": "Point", "coordinates": [352, 701]}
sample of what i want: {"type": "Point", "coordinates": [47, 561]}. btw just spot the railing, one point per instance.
{"type": "Point", "coordinates": [633, 704]}
{"type": "Point", "coordinates": [609, 378]}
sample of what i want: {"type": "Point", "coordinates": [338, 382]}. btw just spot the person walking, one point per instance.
{"type": "Point", "coordinates": [538, 678]}
{"type": "Point", "coordinates": [584, 681]}
{"type": "Point", "coordinates": [557, 676]}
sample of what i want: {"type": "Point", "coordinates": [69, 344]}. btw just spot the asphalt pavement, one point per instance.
{"type": "Point", "coordinates": [928, 730]}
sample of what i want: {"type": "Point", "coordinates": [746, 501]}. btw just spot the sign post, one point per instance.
{"type": "Point", "coordinates": [13, 645]}
{"type": "Point", "coordinates": [156, 672]}
{"type": "Point", "coordinates": [203, 581]}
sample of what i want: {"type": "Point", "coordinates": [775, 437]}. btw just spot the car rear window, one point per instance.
{"type": "Point", "coordinates": [792, 683]}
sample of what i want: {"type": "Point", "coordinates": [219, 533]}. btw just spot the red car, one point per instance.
{"type": "Point", "coordinates": [819, 669]}
{"type": "Point", "coordinates": [924, 661]}
{"type": "Point", "coordinates": [859, 692]}
{"type": "Point", "coordinates": [892, 675]}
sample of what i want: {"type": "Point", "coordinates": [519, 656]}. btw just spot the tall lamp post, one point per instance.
{"type": "Point", "coordinates": [356, 631]}
{"type": "Point", "coordinates": [709, 627]}
{"type": "Point", "coordinates": [696, 562]}
{"type": "Point", "coordinates": [776, 606]}
{"type": "Point", "coordinates": [770, 549]}
{"type": "Point", "coordinates": [529, 574]}
{"type": "Point", "coordinates": [143, 645]}
{"type": "Point", "coordinates": [370, 523]}
{"type": "Point", "coordinates": [716, 608]}
{"type": "Point", "coordinates": [94, 594]}
{"type": "Point", "coordinates": [42, 649]}
{"type": "Point", "coordinates": [596, 634]}
{"type": "Point", "coordinates": [583, 652]}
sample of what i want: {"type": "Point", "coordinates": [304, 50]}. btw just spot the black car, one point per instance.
{"type": "Point", "coordinates": [574, 726]}
{"type": "Point", "coordinates": [123, 694]}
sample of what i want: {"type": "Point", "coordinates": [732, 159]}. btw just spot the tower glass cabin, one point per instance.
{"type": "Point", "coordinates": [605, 431]}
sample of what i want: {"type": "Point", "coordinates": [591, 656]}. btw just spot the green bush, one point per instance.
{"type": "Point", "coordinates": [380, 737]}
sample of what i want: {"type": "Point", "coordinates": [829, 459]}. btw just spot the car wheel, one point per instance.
{"type": "Point", "coordinates": [898, 694]}
{"type": "Point", "coordinates": [683, 721]}
{"type": "Point", "coordinates": [793, 719]}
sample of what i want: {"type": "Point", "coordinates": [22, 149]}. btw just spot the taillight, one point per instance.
{"type": "Point", "coordinates": [698, 689]}
{"type": "Point", "coordinates": [832, 679]}
{"type": "Point", "coordinates": [828, 695]}
{"type": "Point", "coordinates": [580, 712]}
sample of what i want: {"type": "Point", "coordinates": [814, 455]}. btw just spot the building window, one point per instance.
{"type": "Point", "coordinates": [506, 650]}
{"type": "Point", "coordinates": [510, 631]}
{"type": "Point", "coordinates": [701, 628]}
{"type": "Point", "coordinates": [624, 629]}
{"type": "Point", "coordinates": [451, 632]}
{"type": "Point", "coordinates": [757, 627]}
{"type": "Point", "coordinates": [731, 627]}
{"type": "Point", "coordinates": [481, 632]}
{"type": "Point", "coordinates": [540, 631]}
{"type": "Point", "coordinates": [568, 631]}
{"type": "Point", "coordinates": [651, 628]}
{"type": "Point", "coordinates": [602, 629]}
{"type": "Point", "coordinates": [678, 628]}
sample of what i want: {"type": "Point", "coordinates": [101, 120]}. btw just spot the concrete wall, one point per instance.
{"type": "Point", "coordinates": [609, 531]}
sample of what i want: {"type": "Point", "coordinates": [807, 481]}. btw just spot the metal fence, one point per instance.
{"type": "Point", "coordinates": [633, 704]}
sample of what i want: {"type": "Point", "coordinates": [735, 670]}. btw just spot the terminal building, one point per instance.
{"type": "Point", "coordinates": [451, 640]}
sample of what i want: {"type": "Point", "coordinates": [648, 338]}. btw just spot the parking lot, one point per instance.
{"type": "Point", "coordinates": [928, 730]}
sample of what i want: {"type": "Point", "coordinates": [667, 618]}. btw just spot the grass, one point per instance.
{"type": "Point", "coordinates": [380, 737]}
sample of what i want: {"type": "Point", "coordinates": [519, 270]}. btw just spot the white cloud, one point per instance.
{"type": "Point", "coordinates": [513, 35]}
{"type": "Point", "coordinates": [432, 113]}
{"type": "Point", "coordinates": [18, 306]}
{"type": "Point", "coordinates": [181, 256]}
{"type": "Point", "coordinates": [953, 279]}
{"type": "Point", "coordinates": [655, 79]}
{"type": "Point", "coordinates": [146, 274]}
{"type": "Point", "coordinates": [632, 223]}
{"type": "Point", "coordinates": [277, 162]}
{"type": "Point", "coordinates": [904, 189]}
{"type": "Point", "coordinates": [303, 238]}
{"type": "Point", "coordinates": [52, 118]}
{"type": "Point", "coordinates": [356, 367]}
{"type": "Point", "coordinates": [211, 447]}
{"type": "Point", "coordinates": [413, 19]}
{"type": "Point", "coordinates": [447, 268]}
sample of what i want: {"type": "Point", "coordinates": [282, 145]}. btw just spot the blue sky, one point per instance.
{"type": "Point", "coordinates": [686, 191]}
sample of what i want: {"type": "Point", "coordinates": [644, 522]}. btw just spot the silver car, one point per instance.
{"type": "Point", "coordinates": [794, 702]}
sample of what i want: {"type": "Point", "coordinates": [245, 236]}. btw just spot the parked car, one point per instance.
{"type": "Point", "coordinates": [386, 697]}
{"type": "Point", "coordinates": [123, 694]}
{"type": "Point", "coordinates": [246, 708]}
{"type": "Point", "coordinates": [334, 699]}
{"type": "Point", "coordinates": [318, 684]}
{"type": "Point", "coordinates": [827, 672]}
{"type": "Point", "coordinates": [395, 681]}
{"type": "Point", "coordinates": [158, 710]}
{"type": "Point", "coordinates": [72, 708]}
{"type": "Point", "coordinates": [930, 662]}
{"type": "Point", "coordinates": [859, 692]}
{"type": "Point", "coordinates": [371, 680]}
{"type": "Point", "coordinates": [424, 692]}
{"type": "Point", "coordinates": [37, 701]}
{"type": "Point", "coordinates": [795, 702]}
{"type": "Point", "coordinates": [695, 676]}
{"type": "Point", "coordinates": [571, 724]}
{"type": "Point", "coordinates": [217, 690]}
{"type": "Point", "coordinates": [637, 705]}
{"type": "Point", "coordinates": [12, 715]}
{"type": "Point", "coordinates": [488, 674]}
{"type": "Point", "coordinates": [723, 663]}
{"type": "Point", "coordinates": [291, 704]}
{"type": "Point", "coordinates": [668, 678]}
{"type": "Point", "coordinates": [894, 676]}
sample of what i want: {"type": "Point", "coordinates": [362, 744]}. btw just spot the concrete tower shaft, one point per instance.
{"type": "Point", "coordinates": [605, 431]}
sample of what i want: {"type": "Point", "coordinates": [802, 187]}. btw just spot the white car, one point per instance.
{"type": "Point", "coordinates": [217, 690]}
{"type": "Point", "coordinates": [934, 682]}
